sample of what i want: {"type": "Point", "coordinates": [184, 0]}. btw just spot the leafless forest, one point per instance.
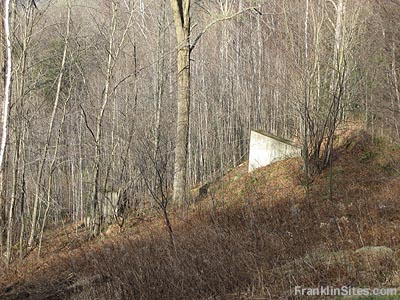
{"type": "Point", "coordinates": [143, 99]}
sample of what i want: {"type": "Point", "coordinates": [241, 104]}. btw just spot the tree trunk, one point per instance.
{"type": "Point", "coordinates": [111, 61]}
{"type": "Point", "coordinates": [7, 79]}
{"type": "Point", "coordinates": [48, 139]}
{"type": "Point", "coordinates": [181, 9]}
{"type": "Point", "coordinates": [6, 105]}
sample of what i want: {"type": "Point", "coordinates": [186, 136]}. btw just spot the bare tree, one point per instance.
{"type": "Point", "coordinates": [160, 187]}
{"type": "Point", "coordinates": [114, 50]}
{"type": "Point", "coordinates": [5, 113]}
{"type": "Point", "coordinates": [181, 13]}
{"type": "Point", "coordinates": [7, 78]}
{"type": "Point", "coordinates": [49, 136]}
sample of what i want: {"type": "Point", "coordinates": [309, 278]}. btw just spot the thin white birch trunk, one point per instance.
{"type": "Point", "coordinates": [7, 86]}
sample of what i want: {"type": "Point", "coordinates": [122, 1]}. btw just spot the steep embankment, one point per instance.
{"type": "Point", "coordinates": [254, 236]}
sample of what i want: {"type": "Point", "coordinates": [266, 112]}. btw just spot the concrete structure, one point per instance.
{"type": "Point", "coordinates": [111, 201]}
{"type": "Point", "coordinates": [266, 148]}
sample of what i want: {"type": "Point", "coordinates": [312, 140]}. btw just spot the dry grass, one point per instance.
{"type": "Point", "coordinates": [254, 237]}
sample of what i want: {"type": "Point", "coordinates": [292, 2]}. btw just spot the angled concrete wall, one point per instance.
{"type": "Point", "coordinates": [110, 204]}
{"type": "Point", "coordinates": [266, 148]}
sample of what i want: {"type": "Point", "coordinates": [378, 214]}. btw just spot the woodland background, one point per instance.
{"type": "Point", "coordinates": [93, 101]}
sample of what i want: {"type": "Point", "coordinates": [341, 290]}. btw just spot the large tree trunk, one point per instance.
{"type": "Point", "coordinates": [181, 9]}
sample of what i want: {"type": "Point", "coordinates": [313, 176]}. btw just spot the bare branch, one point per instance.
{"type": "Point", "coordinates": [86, 123]}
{"type": "Point", "coordinates": [197, 39]}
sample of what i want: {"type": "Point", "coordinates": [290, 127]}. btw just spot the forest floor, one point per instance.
{"type": "Point", "coordinates": [254, 236]}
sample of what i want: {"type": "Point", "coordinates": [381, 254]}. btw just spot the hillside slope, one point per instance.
{"type": "Point", "coordinates": [253, 237]}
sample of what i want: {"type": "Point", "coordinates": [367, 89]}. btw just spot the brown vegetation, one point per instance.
{"type": "Point", "coordinates": [259, 242]}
